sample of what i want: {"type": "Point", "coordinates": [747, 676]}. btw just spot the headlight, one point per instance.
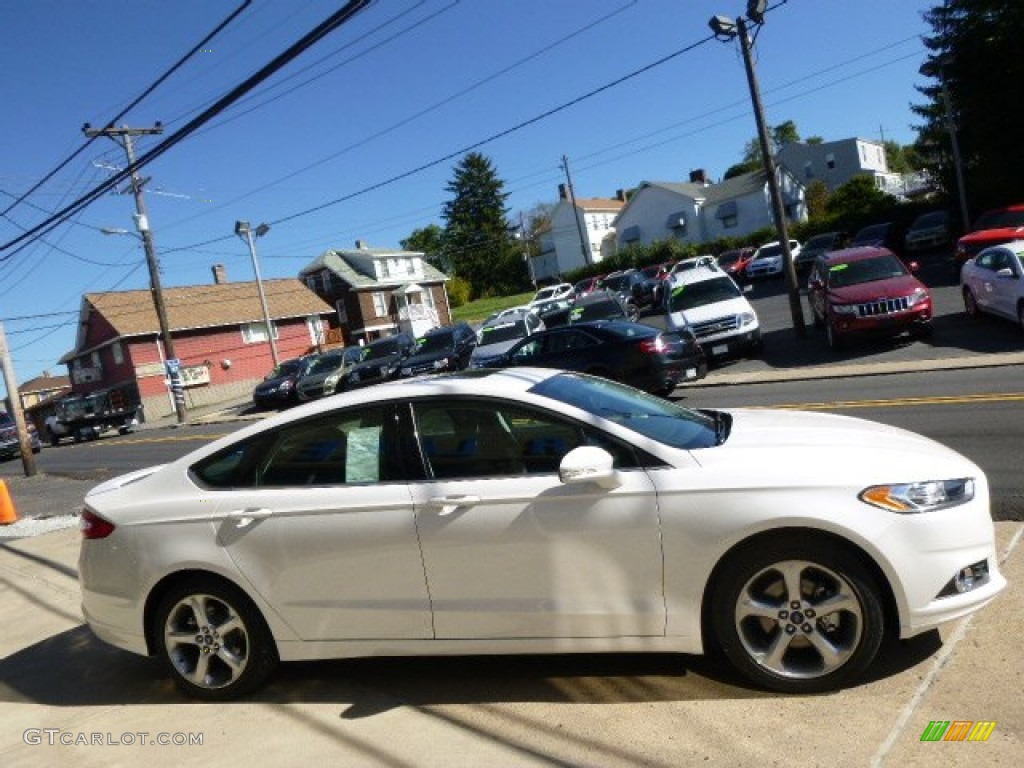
{"type": "Point", "coordinates": [331, 379]}
{"type": "Point", "coordinates": [844, 309]}
{"type": "Point", "coordinates": [285, 385]}
{"type": "Point", "coordinates": [746, 318]}
{"type": "Point", "coordinates": [918, 296]}
{"type": "Point", "coordinates": [925, 496]}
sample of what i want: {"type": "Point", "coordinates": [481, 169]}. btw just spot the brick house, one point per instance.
{"type": "Point", "coordinates": [378, 292]}
{"type": "Point", "coordinates": [219, 337]}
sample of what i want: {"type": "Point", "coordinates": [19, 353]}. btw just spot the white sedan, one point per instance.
{"type": "Point", "coordinates": [536, 511]}
{"type": "Point", "coordinates": [993, 282]}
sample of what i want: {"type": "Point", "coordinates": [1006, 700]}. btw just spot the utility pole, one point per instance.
{"type": "Point", "coordinates": [28, 459]}
{"type": "Point", "coordinates": [958, 165]}
{"type": "Point", "coordinates": [576, 213]}
{"type": "Point", "coordinates": [123, 136]}
{"type": "Point", "coordinates": [725, 28]}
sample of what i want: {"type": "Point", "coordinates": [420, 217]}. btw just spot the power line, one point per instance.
{"type": "Point", "coordinates": [333, 22]}
{"type": "Point", "coordinates": [156, 84]}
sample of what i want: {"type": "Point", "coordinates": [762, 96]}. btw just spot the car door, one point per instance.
{"type": "Point", "coordinates": [1005, 284]}
{"type": "Point", "coordinates": [318, 517]}
{"type": "Point", "coordinates": [511, 552]}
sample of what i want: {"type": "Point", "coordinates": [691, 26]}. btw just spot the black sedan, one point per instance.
{"type": "Point", "coordinates": [601, 305]}
{"type": "Point", "coordinates": [440, 349]}
{"type": "Point", "coordinates": [639, 355]}
{"type": "Point", "coordinates": [382, 360]}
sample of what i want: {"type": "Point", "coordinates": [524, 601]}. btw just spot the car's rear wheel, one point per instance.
{"type": "Point", "coordinates": [213, 640]}
{"type": "Point", "coordinates": [970, 303]}
{"type": "Point", "coordinates": [796, 617]}
{"type": "Point", "coordinates": [1020, 314]}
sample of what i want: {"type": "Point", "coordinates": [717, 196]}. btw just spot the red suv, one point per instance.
{"type": "Point", "coordinates": [995, 227]}
{"type": "Point", "coordinates": [867, 291]}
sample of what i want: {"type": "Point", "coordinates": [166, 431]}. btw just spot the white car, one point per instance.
{"type": "Point", "coordinates": [993, 282]}
{"type": "Point", "coordinates": [555, 513]}
{"type": "Point", "coordinates": [767, 260]}
{"type": "Point", "coordinates": [707, 300]}
{"type": "Point", "coordinates": [559, 291]}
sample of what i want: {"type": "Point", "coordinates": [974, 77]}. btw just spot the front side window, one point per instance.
{"type": "Point", "coordinates": [340, 448]}
{"type": "Point", "coordinates": [474, 438]}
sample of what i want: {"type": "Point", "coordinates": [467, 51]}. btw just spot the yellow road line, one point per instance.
{"type": "Point", "coordinates": [175, 439]}
{"type": "Point", "coordinates": [901, 402]}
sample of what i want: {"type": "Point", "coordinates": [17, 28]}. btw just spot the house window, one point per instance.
{"type": "Point", "coordinates": [339, 305]}
{"type": "Point", "coordinates": [255, 333]}
{"type": "Point", "coordinates": [311, 282]}
{"type": "Point", "coordinates": [325, 280]}
{"type": "Point", "coordinates": [315, 324]}
{"type": "Point", "coordinates": [117, 352]}
{"type": "Point", "coordinates": [428, 297]}
{"type": "Point", "coordinates": [380, 303]}
{"type": "Point", "coordinates": [808, 171]}
{"type": "Point", "coordinates": [830, 161]}
{"type": "Point", "coordinates": [729, 222]}
{"type": "Point", "coordinates": [96, 359]}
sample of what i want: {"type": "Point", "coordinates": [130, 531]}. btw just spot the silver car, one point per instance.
{"type": "Point", "coordinates": [323, 375]}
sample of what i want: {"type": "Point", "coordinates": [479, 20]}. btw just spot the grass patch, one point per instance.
{"type": "Point", "coordinates": [477, 311]}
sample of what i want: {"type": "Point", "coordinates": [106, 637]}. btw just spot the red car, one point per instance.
{"type": "Point", "coordinates": [734, 262]}
{"type": "Point", "coordinates": [995, 227]}
{"type": "Point", "coordinates": [587, 285]}
{"type": "Point", "coordinates": [867, 291]}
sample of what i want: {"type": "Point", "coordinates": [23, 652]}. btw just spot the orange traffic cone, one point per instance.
{"type": "Point", "coordinates": [8, 514]}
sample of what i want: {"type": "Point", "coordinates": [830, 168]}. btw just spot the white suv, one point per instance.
{"type": "Point", "coordinates": [767, 259]}
{"type": "Point", "coordinates": [713, 306]}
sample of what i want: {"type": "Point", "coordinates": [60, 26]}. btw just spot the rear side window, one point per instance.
{"type": "Point", "coordinates": [343, 448]}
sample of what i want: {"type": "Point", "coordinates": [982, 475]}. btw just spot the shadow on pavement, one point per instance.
{"type": "Point", "coordinates": [106, 676]}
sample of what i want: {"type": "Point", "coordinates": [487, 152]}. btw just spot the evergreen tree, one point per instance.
{"type": "Point", "coordinates": [975, 53]}
{"type": "Point", "coordinates": [478, 241]}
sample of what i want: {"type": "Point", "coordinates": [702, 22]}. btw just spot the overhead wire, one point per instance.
{"type": "Point", "coordinates": [135, 102]}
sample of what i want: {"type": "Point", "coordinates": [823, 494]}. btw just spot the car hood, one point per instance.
{"type": "Point", "coordinates": [773, 441]}
{"type": "Point", "coordinates": [493, 350]}
{"type": "Point", "coordinates": [992, 236]}
{"type": "Point", "coordinates": [376, 362]}
{"type": "Point", "coordinates": [877, 289]}
{"type": "Point", "coordinates": [313, 379]}
{"type": "Point", "coordinates": [711, 311]}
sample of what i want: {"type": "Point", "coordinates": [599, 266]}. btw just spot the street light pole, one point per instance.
{"type": "Point", "coordinates": [726, 28]}
{"type": "Point", "coordinates": [243, 230]}
{"type": "Point", "coordinates": [142, 224]}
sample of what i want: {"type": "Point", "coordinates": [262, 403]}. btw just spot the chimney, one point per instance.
{"type": "Point", "coordinates": [620, 195]}
{"type": "Point", "coordinates": [220, 274]}
{"type": "Point", "coordinates": [699, 176]}
{"type": "Point", "coordinates": [563, 193]}
{"type": "Point", "coordinates": [360, 245]}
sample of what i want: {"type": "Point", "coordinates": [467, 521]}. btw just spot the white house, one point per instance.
{"type": "Point", "coordinates": [699, 211]}
{"type": "Point", "coordinates": [561, 250]}
{"type": "Point", "coordinates": [836, 162]}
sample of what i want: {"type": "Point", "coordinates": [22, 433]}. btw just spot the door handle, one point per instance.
{"type": "Point", "coordinates": [243, 518]}
{"type": "Point", "coordinates": [448, 504]}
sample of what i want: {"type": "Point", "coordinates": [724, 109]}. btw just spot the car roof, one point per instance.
{"type": "Point", "coordinates": [860, 253]}
{"type": "Point", "coordinates": [698, 275]}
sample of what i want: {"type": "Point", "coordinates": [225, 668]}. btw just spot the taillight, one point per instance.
{"type": "Point", "coordinates": [93, 526]}
{"type": "Point", "coordinates": [653, 346]}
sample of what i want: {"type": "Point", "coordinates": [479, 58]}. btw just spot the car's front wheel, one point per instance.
{"type": "Point", "coordinates": [970, 303]}
{"type": "Point", "coordinates": [213, 640]}
{"type": "Point", "coordinates": [796, 617]}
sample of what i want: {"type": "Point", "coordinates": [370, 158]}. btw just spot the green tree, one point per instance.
{"type": "Point", "coordinates": [817, 196]}
{"type": "Point", "coordinates": [975, 59]}
{"type": "Point", "coordinates": [859, 200]}
{"type": "Point", "coordinates": [429, 241]}
{"type": "Point", "coordinates": [783, 133]}
{"type": "Point", "coordinates": [478, 241]}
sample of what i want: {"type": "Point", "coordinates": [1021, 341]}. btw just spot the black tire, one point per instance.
{"type": "Point", "coordinates": [747, 634]}
{"type": "Point", "coordinates": [54, 437]}
{"type": "Point", "coordinates": [970, 304]}
{"type": "Point", "coordinates": [247, 642]}
{"type": "Point", "coordinates": [632, 312]}
{"type": "Point", "coordinates": [818, 322]}
{"type": "Point", "coordinates": [1020, 315]}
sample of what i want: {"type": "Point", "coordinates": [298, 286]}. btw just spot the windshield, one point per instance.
{"type": "Point", "coordinates": [729, 257]}
{"type": "Point", "coordinates": [933, 219]}
{"type": "Point", "coordinates": [595, 310]}
{"type": "Point", "coordinates": [435, 342]}
{"type": "Point", "coordinates": [287, 368]}
{"type": "Point", "coordinates": [544, 293]}
{"type": "Point", "coordinates": [694, 295]}
{"type": "Point", "coordinates": [865, 271]}
{"type": "Point", "coordinates": [381, 349]}
{"type": "Point", "coordinates": [328, 362]}
{"type": "Point", "coordinates": [495, 334]}
{"type": "Point", "coordinates": [618, 282]}
{"type": "Point", "coordinates": [1000, 219]}
{"type": "Point", "coordinates": [821, 241]}
{"type": "Point", "coordinates": [650, 416]}
{"type": "Point", "coordinates": [768, 251]}
{"type": "Point", "coordinates": [871, 234]}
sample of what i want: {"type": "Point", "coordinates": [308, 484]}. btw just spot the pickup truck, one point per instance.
{"type": "Point", "coordinates": [86, 417]}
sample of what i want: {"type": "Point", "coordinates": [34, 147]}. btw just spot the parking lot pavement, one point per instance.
{"type": "Point", "coordinates": [57, 682]}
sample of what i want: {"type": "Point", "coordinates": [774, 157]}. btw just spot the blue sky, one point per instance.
{"type": "Point", "coordinates": [403, 85]}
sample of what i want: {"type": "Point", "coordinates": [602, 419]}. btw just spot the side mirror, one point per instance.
{"type": "Point", "coordinates": [589, 464]}
{"type": "Point", "coordinates": [814, 285]}
{"type": "Point", "coordinates": [748, 287]}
